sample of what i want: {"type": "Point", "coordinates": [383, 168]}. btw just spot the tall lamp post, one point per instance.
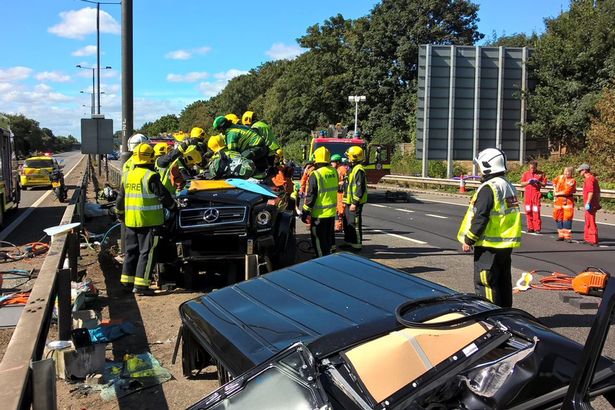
{"type": "Point", "coordinates": [97, 106]}
{"type": "Point", "coordinates": [356, 99]}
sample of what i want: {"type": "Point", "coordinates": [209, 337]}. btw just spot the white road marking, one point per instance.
{"type": "Point", "coordinates": [401, 237]}
{"type": "Point", "coordinates": [9, 229]}
{"type": "Point", "coordinates": [437, 216]}
{"type": "Point", "coordinates": [379, 206]}
{"type": "Point", "coordinates": [410, 211]}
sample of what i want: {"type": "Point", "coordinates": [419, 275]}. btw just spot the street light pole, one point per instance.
{"type": "Point", "coordinates": [356, 99]}
{"type": "Point", "coordinates": [98, 54]}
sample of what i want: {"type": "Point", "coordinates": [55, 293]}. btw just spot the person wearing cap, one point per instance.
{"type": "Point", "coordinates": [342, 172]}
{"type": "Point", "coordinates": [532, 180]}
{"type": "Point", "coordinates": [591, 201]}
{"type": "Point", "coordinates": [321, 202]}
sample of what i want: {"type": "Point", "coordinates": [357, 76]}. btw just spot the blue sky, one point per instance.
{"type": "Point", "coordinates": [184, 50]}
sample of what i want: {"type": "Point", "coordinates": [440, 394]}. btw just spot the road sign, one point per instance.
{"type": "Point", "coordinates": [96, 135]}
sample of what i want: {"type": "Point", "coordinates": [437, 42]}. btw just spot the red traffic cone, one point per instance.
{"type": "Point", "coordinates": [462, 184]}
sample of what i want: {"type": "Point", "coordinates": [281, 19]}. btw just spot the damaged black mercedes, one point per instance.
{"type": "Point", "coordinates": [344, 332]}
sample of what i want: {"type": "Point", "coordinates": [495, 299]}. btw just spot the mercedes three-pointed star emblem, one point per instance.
{"type": "Point", "coordinates": [211, 215]}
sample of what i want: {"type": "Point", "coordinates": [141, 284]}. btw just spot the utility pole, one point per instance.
{"type": "Point", "coordinates": [127, 91]}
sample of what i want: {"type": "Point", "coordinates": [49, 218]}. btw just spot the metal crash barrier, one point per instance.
{"type": "Point", "coordinates": [26, 378]}
{"type": "Point", "coordinates": [403, 182]}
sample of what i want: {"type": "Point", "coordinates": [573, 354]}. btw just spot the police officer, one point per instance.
{"type": "Point", "coordinates": [141, 203]}
{"type": "Point", "coordinates": [492, 227]}
{"type": "Point", "coordinates": [355, 195]}
{"type": "Point", "coordinates": [321, 202]}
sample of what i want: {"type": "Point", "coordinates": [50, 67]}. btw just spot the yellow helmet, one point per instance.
{"type": "Point", "coordinates": [355, 154]}
{"type": "Point", "coordinates": [160, 149]}
{"type": "Point", "coordinates": [216, 143]}
{"type": "Point", "coordinates": [179, 136]}
{"type": "Point", "coordinates": [197, 132]}
{"type": "Point", "coordinates": [193, 156]}
{"type": "Point", "coordinates": [322, 155]}
{"type": "Point", "coordinates": [232, 118]}
{"type": "Point", "coordinates": [279, 152]}
{"type": "Point", "coordinates": [143, 154]}
{"type": "Point", "coordinates": [248, 118]}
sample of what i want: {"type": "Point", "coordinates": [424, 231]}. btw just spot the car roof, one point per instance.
{"type": "Point", "coordinates": [328, 303]}
{"type": "Point", "coordinates": [40, 157]}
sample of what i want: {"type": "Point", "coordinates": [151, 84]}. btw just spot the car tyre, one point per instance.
{"type": "Point", "coordinates": [288, 256]}
{"type": "Point", "coordinates": [187, 276]}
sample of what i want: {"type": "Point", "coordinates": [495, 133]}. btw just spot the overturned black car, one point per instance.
{"type": "Point", "coordinates": [232, 231]}
{"type": "Point", "coordinates": [344, 332]}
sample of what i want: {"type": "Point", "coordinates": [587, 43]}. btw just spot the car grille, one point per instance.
{"type": "Point", "coordinates": [211, 216]}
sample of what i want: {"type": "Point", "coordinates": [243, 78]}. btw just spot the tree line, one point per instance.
{"type": "Point", "coordinates": [31, 139]}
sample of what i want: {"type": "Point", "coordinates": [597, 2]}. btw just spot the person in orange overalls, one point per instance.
{"type": "Point", "coordinates": [532, 180]}
{"type": "Point", "coordinates": [342, 171]}
{"type": "Point", "coordinates": [564, 187]}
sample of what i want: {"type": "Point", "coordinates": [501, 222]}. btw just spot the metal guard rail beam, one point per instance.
{"type": "Point", "coordinates": [398, 179]}
{"type": "Point", "coordinates": [28, 340]}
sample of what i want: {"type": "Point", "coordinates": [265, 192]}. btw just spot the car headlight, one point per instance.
{"type": "Point", "coordinates": [263, 218]}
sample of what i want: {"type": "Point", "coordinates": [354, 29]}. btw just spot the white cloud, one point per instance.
{"type": "Point", "coordinates": [77, 24]}
{"type": "Point", "coordinates": [178, 55]}
{"type": "Point", "coordinates": [15, 73]}
{"type": "Point", "coordinates": [188, 77]}
{"type": "Point", "coordinates": [281, 51]}
{"type": "Point", "coordinates": [183, 54]}
{"type": "Point", "coordinates": [85, 51]}
{"type": "Point", "coordinates": [210, 89]}
{"type": "Point", "coordinates": [39, 95]}
{"type": "Point", "coordinates": [54, 76]}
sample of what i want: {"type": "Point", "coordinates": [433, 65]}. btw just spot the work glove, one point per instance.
{"type": "Point", "coordinates": [305, 216]}
{"type": "Point", "coordinates": [550, 195]}
{"type": "Point", "coordinates": [588, 206]}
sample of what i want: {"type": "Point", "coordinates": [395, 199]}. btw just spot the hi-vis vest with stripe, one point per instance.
{"type": "Point", "coordinates": [165, 175]}
{"type": "Point", "coordinates": [349, 194]}
{"type": "Point", "coordinates": [141, 207]}
{"type": "Point", "coordinates": [126, 168]}
{"type": "Point", "coordinates": [326, 201]}
{"type": "Point", "coordinates": [504, 227]}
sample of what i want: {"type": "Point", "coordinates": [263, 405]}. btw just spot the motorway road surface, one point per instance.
{"type": "Point", "coordinates": [33, 198]}
{"type": "Point", "coordinates": [434, 220]}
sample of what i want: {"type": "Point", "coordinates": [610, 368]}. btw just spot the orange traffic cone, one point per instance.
{"type": "Point", "coordinates": [462, 184]}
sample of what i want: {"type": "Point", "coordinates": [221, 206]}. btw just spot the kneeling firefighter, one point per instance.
{"type": "Point", "coordinates": [225, 163]}
{"type": "Point", "coordinates": [321, 203]}
{"type": "Point", "coordinates": [492, 227]}
{"type": "Point", "coordinates": [141, 205]}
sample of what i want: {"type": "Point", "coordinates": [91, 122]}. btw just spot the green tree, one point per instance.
{"type": "Point", "coordinates": [573, 61]}
{"type": "Point", "coordinates": [165, 124]}
{"type": "Point", "coordinates": [197, 114]}
{"type": "Point", "coordinates": [601, 135]}
{"type": "Point", "coordinates": [513, 40]}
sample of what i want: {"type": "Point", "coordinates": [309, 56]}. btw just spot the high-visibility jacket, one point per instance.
{"type": "Point", "coordinates": [167, 177]}
{"type": "Point", "coordinates": [350, 194]}
{"type": "Point", "coordinates": [264, 131]}
{"type": "Point", "coordinates": [141, 207]}
{"type": "Point", "coordinates": [240, 138]}
{"type": "Point", "coordinates": [127, 167]}
{"type": "Point", "coordinates": [503, 229]}
{"type": "Point", "coordinates": [563, 203]}
{"type": "Point", "coordinates": [326, 198]}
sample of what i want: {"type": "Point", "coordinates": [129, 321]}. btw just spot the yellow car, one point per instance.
{"type": "Point", "coordinates": [35, 171]}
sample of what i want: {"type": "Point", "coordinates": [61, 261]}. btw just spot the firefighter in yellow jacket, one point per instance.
{"type": "Point", "coordinates": [355, 196]}
{"type": "Point", "coordinates": [141, 205]}
{"type": "Point", "coordinates": [321, 203]}
{"type": "Point", "coordinates": [492, 227]}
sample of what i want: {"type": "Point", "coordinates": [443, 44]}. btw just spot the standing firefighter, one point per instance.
{"type": "Point", "coordinates": [492, 226]}
{"type": "Point", "coordinates": [320, 203]}
{"type": "Point", "coordinates": [564, 187]}
{"type": "Point", "coordinates": [591, 199]}
{"type": "Point", "coordinates": [342, 171]}
{"type": "Point", "coordinates": [140, 204]}
{"type": "Point", "coordinates": [355, 195]}
{"type": "Point", "coordinates": [133, 142]}
{"type": "Point", "coordinates": [533, 180]}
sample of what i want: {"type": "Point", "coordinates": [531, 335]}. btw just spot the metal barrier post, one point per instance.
{"type": "Point", "coordinates": [64, 307]}
{"type": "Point", "coordinates": [73, 254]}
{"type": "Point", "coordinates": [44, 394]}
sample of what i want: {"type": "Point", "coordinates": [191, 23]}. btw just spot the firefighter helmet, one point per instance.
{"type": "Point", "coordinates": [355, 154]}
{"type": "Point", "coordinates": [322, 155]}
{"type": "Point", "coordinates": [248, 118]}
{"type": "Point", "coordinates": [221, 123]}
{"type": "Point", "coordinates": [336, 158]}
{"type": "Point", "coordinates": [193, 156]}
{"type": "Point", "coordinates": [232, 118]}
{"type": "Point", "coordinates": [135, 140]}
{"type": "Point", "coordinates": [216, 143]}
{"type": "Point", "coordinates": [491, 161]}
{"type": "Point", "coordinates": [143, 154]}
{"type": "Point", "coordinates": [197, 133]}
{"type": "Point", "coordinates": [162, 148]}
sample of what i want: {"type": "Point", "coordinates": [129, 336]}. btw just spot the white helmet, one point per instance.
{"type": "Point", "coordinates": [491, 161]}
{"type": "Point", "coordinates": [136, 140]}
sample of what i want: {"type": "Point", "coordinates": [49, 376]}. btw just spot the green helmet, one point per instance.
{"type": "Point", "coordinates": [336, 158]}
{"type": "Point", "coordinates": [220, 123]}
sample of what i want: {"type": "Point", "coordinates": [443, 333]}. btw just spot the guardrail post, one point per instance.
{"type": "Point", "coordinates": [44, 395]}
{"type": "Point", "coordinates": [73, 254]}
{"type": "Point", "coordinates": [64, 306]}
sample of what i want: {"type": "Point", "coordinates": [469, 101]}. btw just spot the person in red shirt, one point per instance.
{"type": "Point", "coordinates": [532, 180]}
{"type": "Point", "coordinates": [591, 201]}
